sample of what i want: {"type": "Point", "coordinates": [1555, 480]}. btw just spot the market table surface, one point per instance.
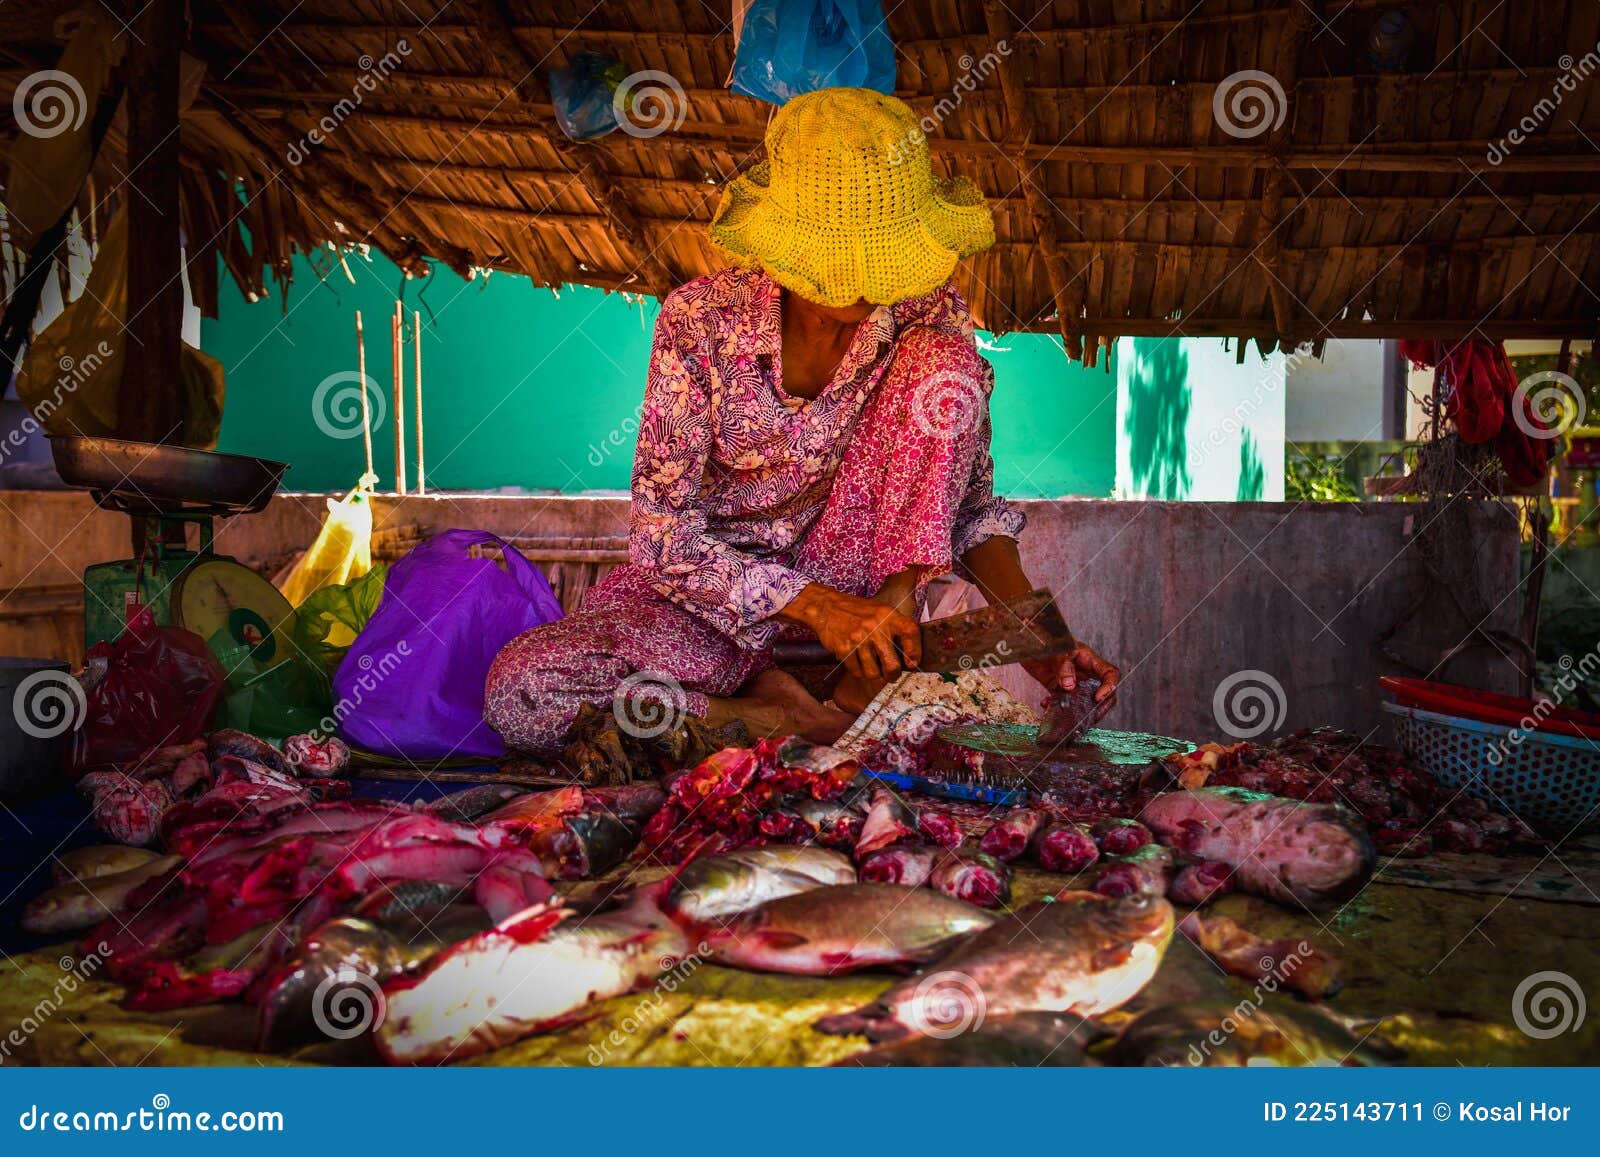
{"type": "Point", "coordinates": [1433, 972]}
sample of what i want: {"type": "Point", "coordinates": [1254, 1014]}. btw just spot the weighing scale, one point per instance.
{"type": "Point", "coordinates": [164, 490]}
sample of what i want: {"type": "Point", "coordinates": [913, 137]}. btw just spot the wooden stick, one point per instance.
{"type": "Point", "coordinates": [416, 341]}
{"type": "Point", "coordinates": [366, 406]}
{"type": "Point", "coordinates": [397, 332]}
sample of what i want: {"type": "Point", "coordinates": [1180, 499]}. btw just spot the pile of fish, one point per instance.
{"type": "Point", "coordinates": [779, 909]}
{"type": "Point", "coordinates": [259, 862]}
{"type": "Point", "coordinates": [1192, 846]}
{"type": "Point", "coordinates": [465, 922]}
{"type": "Point", "coordinates": [129, 804]}
{"type": "Point", "coordinates": [1408, 812]}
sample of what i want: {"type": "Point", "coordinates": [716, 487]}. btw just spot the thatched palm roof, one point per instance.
{"type": "Point", "coordinates": [1123, 205]}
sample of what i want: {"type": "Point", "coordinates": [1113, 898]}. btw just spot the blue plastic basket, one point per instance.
{"type": "Point", "coordinates": [1551, 781]}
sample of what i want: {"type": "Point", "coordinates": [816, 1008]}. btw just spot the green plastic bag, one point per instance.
{"type": "Point", "coordinates": [329, 620]}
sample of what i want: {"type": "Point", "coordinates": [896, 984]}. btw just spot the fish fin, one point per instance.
{"type": "Point", "coordinates": [1111, 957]}
{"type": "Point", "coordinates": [873, 1021]}
{"type": "Point", "coordinates": [567, 1020]}
{"type": "Point", "coordinates": [777, 939]}
{"type": "Point", "coordinates": [533, 922]}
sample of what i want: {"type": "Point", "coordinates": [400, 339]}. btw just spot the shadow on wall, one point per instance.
{"type": "Point", "coordinates": [1252, 470]}
{"type": "Point", "coordinates": [1157, 417]}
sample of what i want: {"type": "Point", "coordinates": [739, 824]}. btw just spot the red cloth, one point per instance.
{"type": "Point", "coordinates": [1481, 399]}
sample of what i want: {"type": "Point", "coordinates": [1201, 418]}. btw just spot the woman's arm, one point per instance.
{"type": "Point", "coordinates": [669, 537]}
{"type": "Point", "coordinates": [995, 566]}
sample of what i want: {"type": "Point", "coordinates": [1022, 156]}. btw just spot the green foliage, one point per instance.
{"type": "Point", "coordinates": [1316, 480]}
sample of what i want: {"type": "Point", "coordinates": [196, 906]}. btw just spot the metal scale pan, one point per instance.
{"type": "Point", "coordinates": [146, 478]}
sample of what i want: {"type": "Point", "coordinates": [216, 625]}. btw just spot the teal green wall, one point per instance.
{"type": "Point", "coordinates": [528, 389]}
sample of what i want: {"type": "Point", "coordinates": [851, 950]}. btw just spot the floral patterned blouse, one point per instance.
{"type": "Point", "coordinates": [730, 471]}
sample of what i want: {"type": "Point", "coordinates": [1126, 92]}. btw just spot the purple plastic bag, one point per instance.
{"type": "Point", "coordinates": [412, 683]}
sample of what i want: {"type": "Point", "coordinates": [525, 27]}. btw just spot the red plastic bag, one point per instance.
{"type": "Point", "coordinates": [160, 686]}
{"type": "Point", "coordinates": [1482, 399]}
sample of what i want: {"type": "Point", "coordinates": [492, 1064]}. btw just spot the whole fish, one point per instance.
{"type": "Point", "coordinates": [585, 845]}
{"type": "Point", "coordinates": [1309, 854]}
{"type": "Point", "coordinates": [470, 803]}
{"type": "Point", "coordinates": [1064, 848]}
{"type": "Point", "coordinates": [99, 860]}
{"type": "Point", "coordinates": [845, 927]}
{"type": "Point", "coordinates": [889, 821]}
{"type": "Point", "coordinates": [319, 991]}
{"type": "Point", "coordinates": [533, 973]}
{"type": "Point", "coordinates": [632, 803]}
{"type": "Point", "coordinates": [1024, 1040]}
{"type": "Point", "coordinates": [713, 888]}
{"type": "Point", "coordinates": [1225, 1033]}
{"type": "Point", "coordinates": [908, 867]}
{"type": "Point", "coordinates": [230, 741]}
{"type": "Point", "coordinates": [1078, 953]}
{"type": "Point", "coordinates": [1148, 871]}
{"type": "Point", "coordinates": [1010, 835]}
{"type": "Point", "coordinates": [83, 904]}
{"type": "Point", "coordinates": [976, 878]}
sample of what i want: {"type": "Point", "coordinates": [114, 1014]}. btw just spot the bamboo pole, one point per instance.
{"type": "Point", "coordinates": [416, 341]}
{"type": "Point", "coordinates": [397, 332]}
{"type": "Point", "coordinates": [366, 406]}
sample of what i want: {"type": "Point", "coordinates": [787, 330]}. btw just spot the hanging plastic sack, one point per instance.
{"type": "Point", "coordinates": [790, 47]}
{"type": "Point", "coordinates": [582, 95]}
{"type": "Point", "coordinates": [150, 687]}
{"type": "Point", "coordinates": [412, 685]}
{"type": "Point", "coordinates": [327, 623]}
{"type": "Point", "coordinates": [342, 550]}
{"type": "Point", "coordinates": [71, 376]}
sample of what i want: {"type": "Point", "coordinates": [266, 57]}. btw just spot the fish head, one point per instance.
{"type": "Point", "coordinates": [1138, 918]}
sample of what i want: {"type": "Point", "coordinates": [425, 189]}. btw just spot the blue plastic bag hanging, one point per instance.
{"type": "Point", "coordinates": [789, 47]}
{"type": "Point", "coordinates": [582, 95]}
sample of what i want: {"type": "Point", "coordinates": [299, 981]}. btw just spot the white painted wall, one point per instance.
{"type": "Point", "coordinates": [1223, 405]}
{"type": "Point", "coordinates": [1338, 397]}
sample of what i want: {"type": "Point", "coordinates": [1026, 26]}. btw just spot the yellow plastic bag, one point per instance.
{"type": "Point", "coordinates": [341, 552]}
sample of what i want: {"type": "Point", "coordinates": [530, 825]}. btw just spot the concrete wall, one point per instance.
{"type": "Point", "coordinates": [1182, 595]}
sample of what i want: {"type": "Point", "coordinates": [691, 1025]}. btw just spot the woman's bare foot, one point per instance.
{"type": "Point", "coordinates": [774, 703]}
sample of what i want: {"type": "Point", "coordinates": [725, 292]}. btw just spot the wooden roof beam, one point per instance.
{"type": "Point", "coordinates": [1067, 291]}
{"type": "Point", "coordinates": [1269, 253]}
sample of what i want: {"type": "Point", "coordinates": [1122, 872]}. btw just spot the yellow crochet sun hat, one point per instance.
{"type": "Point", "coordinates": [846, 206]}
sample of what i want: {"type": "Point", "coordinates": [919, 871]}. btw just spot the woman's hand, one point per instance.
{"type": "Point", "coordinates": [1062, 672]}
{"type": "Point", "coordinates": [872, 640]}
